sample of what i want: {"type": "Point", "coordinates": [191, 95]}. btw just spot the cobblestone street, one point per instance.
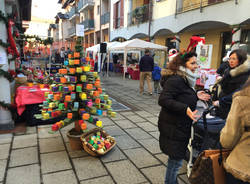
{"type": "Point", "coordinates": [36, 156]}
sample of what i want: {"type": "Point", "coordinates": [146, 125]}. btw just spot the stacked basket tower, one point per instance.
{"type": "Point", "coordinates": [76, 93]}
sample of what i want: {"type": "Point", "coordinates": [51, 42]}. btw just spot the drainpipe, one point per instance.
{"type": "Point", "coordinates": [100, 21]}
{"type": "Point", "coordinates": [150, 13]}
{"type": "Point", "coordinates": [6, 121]}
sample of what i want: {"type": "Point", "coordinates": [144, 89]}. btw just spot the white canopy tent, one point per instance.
{"type": "Point", "coordinates": [96, 50]}
{"type": "Point", "coordinates": [135, 44]}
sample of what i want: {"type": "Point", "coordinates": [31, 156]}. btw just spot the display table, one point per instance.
{"type": "Point", "coordinates": [28, 95]}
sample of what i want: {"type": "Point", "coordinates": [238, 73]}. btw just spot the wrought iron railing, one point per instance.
{"type": "Point", "coordinates": [72, 12]}
{"type": "Point", "coordinates": [105, 18]}
{"type": "Point", "coordinates": [187, 5]}
{"type": "Point", "coordinates": [82, 4]}
{"type": "Point", "coordinates": [138, 15]}
{"type": "Point", "coordinates": [88, 24]}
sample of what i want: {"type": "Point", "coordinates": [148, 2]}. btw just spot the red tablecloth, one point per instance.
{"type": "Point", "coordinates": [135, 74]}
{"type": "Point", "coordinates": [28, 95]}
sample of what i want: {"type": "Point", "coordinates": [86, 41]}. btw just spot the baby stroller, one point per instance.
{"type": "Point", "coordinates": [205, 134]}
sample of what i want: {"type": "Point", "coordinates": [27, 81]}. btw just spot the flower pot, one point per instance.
{"type": "Point", "coordinates": [74, 139]}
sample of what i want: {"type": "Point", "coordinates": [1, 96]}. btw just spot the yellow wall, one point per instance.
{"type": "Point", "coordinates": [212, 37]}
{"type": "Point", "coordinates": [163, 9]}
{"type": "Point", "coordinates": [137, 3]}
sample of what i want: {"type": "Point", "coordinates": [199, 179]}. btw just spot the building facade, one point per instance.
{"type": "Point", "coordinates": [223, 23]}
{"type": "Point", "coordinates": [93, 14]}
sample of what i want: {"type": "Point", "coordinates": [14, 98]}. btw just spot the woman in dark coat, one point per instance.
{"type": "Point", "coordinates": [178, 101]}
{"type": "Point", "coordinates": [233, 79]}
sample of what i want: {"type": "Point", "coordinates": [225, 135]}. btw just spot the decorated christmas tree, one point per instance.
{"type": "Point", "coordinates": [76, 93]}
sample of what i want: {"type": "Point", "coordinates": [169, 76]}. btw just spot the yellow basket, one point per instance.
{"type": "Point", "coordinates": [90, 149]}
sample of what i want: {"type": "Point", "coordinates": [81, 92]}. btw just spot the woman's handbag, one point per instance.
{"type": "Point", "coordinates": [208, 167]}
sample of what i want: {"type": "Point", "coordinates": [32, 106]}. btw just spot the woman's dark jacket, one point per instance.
{"type": "Point", "coordinates": [174, 125]}
{"type": "Point", "coordinates": [232, 81]}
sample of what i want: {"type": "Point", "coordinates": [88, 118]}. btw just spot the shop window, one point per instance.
{"type": "Point", "coordinates": [245, 40]}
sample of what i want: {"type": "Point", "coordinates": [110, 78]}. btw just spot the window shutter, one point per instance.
{"type": "Point", "coordinates": [114, 15]}
{"type": "Point", "coordinates": [122, 13]}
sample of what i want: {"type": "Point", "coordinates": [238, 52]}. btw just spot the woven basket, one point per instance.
{"type": "Point", "coordinates": [89, 149]}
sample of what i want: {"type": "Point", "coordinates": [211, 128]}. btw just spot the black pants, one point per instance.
{"type": "Point", "coordinates": [230, 179]}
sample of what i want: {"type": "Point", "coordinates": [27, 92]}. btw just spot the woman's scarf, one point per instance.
{"type": "Point", "coordinates": [190, 76]}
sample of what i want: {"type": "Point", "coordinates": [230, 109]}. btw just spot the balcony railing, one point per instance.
{"type": "Point", "coordinates": [82, 4]}
{"type": "Point", "coordinates": [72, 31]}
{"type": "Point", "coordinates": [105, 18]}
{"type": "Point", "coordinates": [139, 15]}
{"type": "Point", "coordinates": [72, 12]}
{"type": "Point", "coordinates": [88, 24]}
{"type": "Point", "coordinates": [187, 5]}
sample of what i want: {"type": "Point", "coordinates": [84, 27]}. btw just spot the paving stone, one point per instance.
{"type": "Point", "coordinates": [65, 137]}
{"type": "Point", "coordinates": [68, 127]}
{"type": "Point", "coordinates": [153, 120]}
{"type": "Point", "coordinates": [114, 131]}
{"type": "Point", "coordinates": [183, 169]}
{"type": "Point", "coordinates": [125, 172]}
{"type": "Point", "coordinates": [147, 126]}
{"type": "Point", "coordinates": [125, 124]}
{"type": "Point", "coordinates": [51, 144]}
{"type": "Point", "coordinates": [31, 130]}
{"type": "Point", "coordinates": [23, 156]}
{"type": "Point", "coordinates": [102, 180]}
{"type": "Point", "coordinates": [44, 133]}
{"type": "Point", "coordinates": [22, 141]}
{"type": "Point", "coordinates": [180, 181]}
{"type": "Point", "coordinates": [144, 114]}
{"type": "Point", "coordinates": [44, 126]}
{"type": "Point", "coordinates": [184, 178]}
{"type": "Point", "coordinates": [107, 121]}
{"type": "Point", "coordinates": [162, 157]}
{"type": "Point", "coordinates": [113, 155]}
{"type": "Point", "coordinates": [138, 133]}
{"type": "Point", "coordinates": [63, 177]}
{"type": "Point", "coordinates": [126, 142]}
{"type": "Point", "coordinates": [135, 118]}
{"type": "Point", "coordinates": [4, 151]}
{"type": "Point", "coordinates": [89, 167]}
{"type": "Point", "coordinates": [155, 134]}
{"type": "Point", "coordinates": [141, 158]}
{"type": "Point", "coordinates": [128, 113]}
{"type": "Point", "coordinates": [76, 153]}
{"type": "Point", "coordinates": [118, 117]}
{"type": "Point", "coordinates": [155, 174]}
{"type": "Point", "coordinates": [3, 164]}
{"type": "Point", "coordinates": [5, 138]}
{"type": "Point", "coordinates": [24, 175]}
{"type": "Point", "coordinates": [51, 162]}
{"type": "Point", "coordinates": [152, 145]}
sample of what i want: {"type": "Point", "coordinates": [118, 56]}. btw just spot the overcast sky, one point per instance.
{"type": "Point", "coordinates": [46, 9]}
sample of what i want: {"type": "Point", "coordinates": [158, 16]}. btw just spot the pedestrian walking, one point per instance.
{"type": "Point", "coordinates": [146, 66]}
{"type": "Point", "coordinates": [156, 75]}
{"type": "Point", "coordinates": [236, 136]}
{"type": "Point", "coordinates": [178, 103]}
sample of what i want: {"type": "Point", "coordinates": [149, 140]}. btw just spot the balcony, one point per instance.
{"type": "Point", "coordinates": [72, 31]}
{"type": "Point", "coordinates": [187, 5]}
{"type": "Point", "coordinates": [105, 18]}
{"type": "Point", "coordinates": [88, 24]}
{"type": "Point", "coordinates": [83, 4]}
{"type": "Point", "coordinates": [72, 12]}
{"type": "Point", "coordinates": [138, 15]}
